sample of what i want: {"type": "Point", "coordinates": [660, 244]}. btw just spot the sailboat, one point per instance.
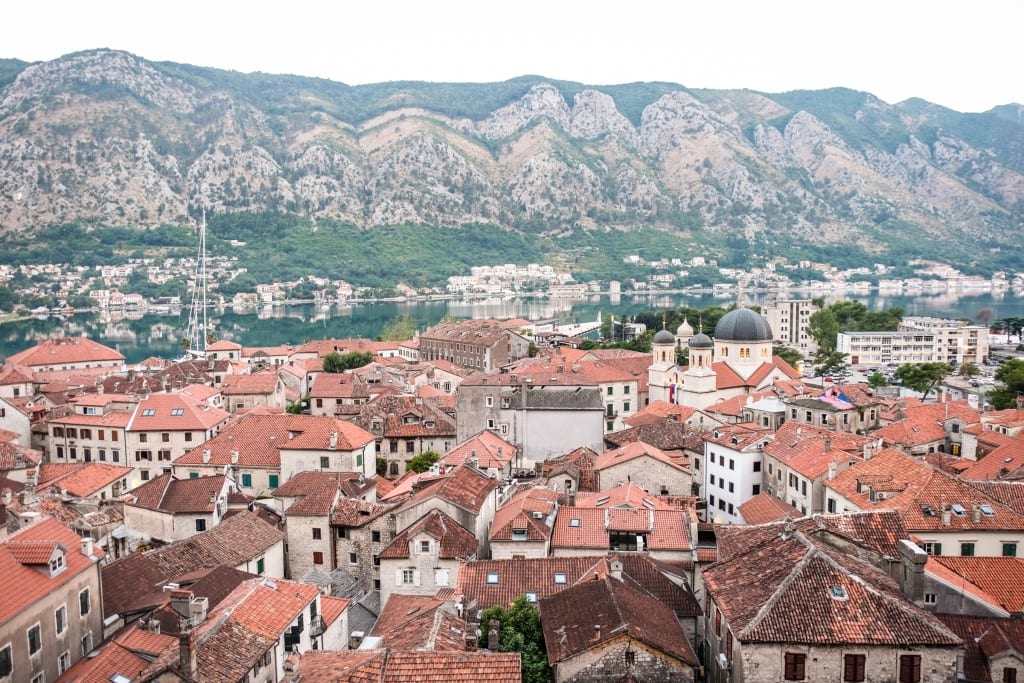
{"type": "Point", "coordinates": [194, 342]}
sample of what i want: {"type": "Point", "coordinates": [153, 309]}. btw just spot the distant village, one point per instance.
{"type": "Point", "coordinates": [56, 287]}
{"type": "Point", "coordinates": [350, 509]}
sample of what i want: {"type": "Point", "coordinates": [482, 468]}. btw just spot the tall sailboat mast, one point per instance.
{"type": "Point", "coordinates": [197, 322]}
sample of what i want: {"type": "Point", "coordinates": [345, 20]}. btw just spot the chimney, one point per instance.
{"type": "Point", "coordinates": [188, 662]}
{"type": "Point", "coordinates": [492, 636]}
{"type": "Point", "coordinates": [616, 569]}
{"type": "Point", "coordinates": [868, 450]}
{"type": "Point", "coordinates": [180, 600]}
{"type": "Point", "coordinates": [911, 580]}
{"type": "Point", "coordinates": [5, 496]}
{"type": "Point", "coordinates": [947, 516]}
{"type": "Point", "coordinates": [333, 444]}
{"type": "Point", "coordinates": [355, 639]}
{"type": "Point", "coordinates": [832, 470]}
{"type": "Point", "coordinates": [87, 547]}
{"type": "Point", "coordinates": [206, 456]}
{"type": "Point", "coordinates": [828, 444]}
{"type": "Point", "coordinates": [234, 456]}
{"type": "Point", "coordinates": [977, 514]}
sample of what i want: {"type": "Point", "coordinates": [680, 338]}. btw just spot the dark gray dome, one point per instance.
{"type": "Point", "coordinates": [743, 325]}
{"type": "Point", "coordinates": [664, 337]}
{"type": "Point", "coordinates": [701, 341]}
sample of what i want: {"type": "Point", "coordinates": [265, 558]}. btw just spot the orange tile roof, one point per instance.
{"type": "Point", "coordinates": [999, 581]}
{"type": "Point", "coordinates": [423, 666]}
{"type": "Point", "coordinates": [256, 383]}
{"type": "Point", "coordinates": [628, 495]}
{"type": "Point", "coordinates": [464, 486]}
{"type": "Point", "coordinates": [128, 653]}
{"type": "Point", "coordinates": [633, 451]}
{"type": "Point", "coordinates": [809, 450]}
{"type": "Point", "coordinates": [21, 585]}
{"type": "Point", "coordinates": [780, 589]}
{"type": "Point", "coordinates": [257, 439]}
{"type": "Point", "coordinates": [169, 494]}
{"type": "Point", "coordinates": [81, 480]}
{"type": "Point", "coordinates": [519, 514]}
{"type": "Point", "coordinates": [489, 449]}
{"type": "Point", "coordinates": [1000, 462]}
{"type": "Point", "coordinates": [919, 492]}
{"type": "Point", "coordinates": [766, 508]}
{"type": "Point", "coordinates": [65, 351]}
{"type": "Point", "coordinates": [175, 413]}
{"type": "Point", "coordinates": [454, 541]}
{"type": "Point", "coordinates": [656, 411]}
{"type": "Point", "coordinates": [266, 606]}
{"type": "Point", "coordinates": [589, 528]}
{"type": "Point", "coordinates": [332, 608]}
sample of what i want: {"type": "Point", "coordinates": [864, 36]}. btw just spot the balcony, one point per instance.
{"type": "Point", "coordinates": [316, 626]}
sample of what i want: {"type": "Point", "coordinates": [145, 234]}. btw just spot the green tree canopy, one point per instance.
{"type": "Point", "coordinates": [1011, 374]}
{"type": "Point", "coordinates": [791, 356]}
{"type": "Point", "coordinates": [922, 376]}
{"type": "Point", "coordinates": [422, 462]}
{"type": "Point", "coordinates": [401, 328]}
{"type": "Point", "coordinates": [520, 631]}
{"type": "Point", "coordinates": [877, 379]}
{"type": "Point", "coordinates": [830, 361]}
{"type": "Point", "coordinates": [336, 362]}
{"type": "Point", "coordinates": [969, 370]}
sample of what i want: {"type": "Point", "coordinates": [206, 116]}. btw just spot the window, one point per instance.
{"type": "Point", "coordinates": [560, 578]}
{"type": "Point", "coordinates": [188, 436]}
{"type": "Point", "coordinates": [86, 643]}
{"type": "Point", "coordinates": [625, 407]}
{"type": "Point", "coordinates": [165, 437]}
{"type": "Point", "coordinates": [1009, 676]}
{"type": "Point", "coordinates": [375, 536]}
{"type": "Point", "coordinates": [60, 618]}
{"type": "Point", "coordinates": [6, 661]}
{"type": "Point", "coordinates": [933, 548]}
{"type": "Point", "coordinates": [318, 557]}
{"type": "Point", "coordinates": [200, 524]}
{"type": "Point", "coordinates": [757, 465]}
{"type": "Point", "coordinates": [247, 480]}
{"type": "Point", "coordinates": [1009, 550]}
{"type": "Point", "coordinates": [409, 575]}
{"type": "Point", "coordinates": [260, 565]}
{"type": "Point", "coordinates": [143, 438]}
{"type": "Point", "coordinates": [755, 489]}
{"type": "Point", "coordinates": [489, 401]}
{"type": "Point", "coordinates": [376, 560]}
{"type": "Point", "coordinates": [718, 622]}
{"type": "Point", "coordinates": [732, 464]}
{"type": "Point", "coordinates": [730, 487]}
{"type": "Point", "coordinates": [148, 412]}
{"type": "Point", "coordinates": [424, 546]}
{"type": "Point", "coordinates": [853, 667]}
{"type": "Point", "coordinates": [84, 606]}
{"type": "Point", "coordinates": [63, 662]}
{"type": "Point", "coordinates": [353, 558]}
{"type": "Point", "coordinates": [273, 481]}
{"type": "Point", "coordinates": [930, 598]}
{"type": "Point", "coordinates": [910, 669]}
{"type": "Point", "coordinates": [316, 533]}
{"type": "Point", "coordinates": [713, 480]}
{"type": "Point", "coordinates": [794, 666]}
{"type": "Point", "coordinates": [967, 549]}
{"type": "Point", "coordinates": [611, 390]}
{"type": "Point", "coordinates": [177, 412]}
{"type": "Point", "coordinates": [35, 639]}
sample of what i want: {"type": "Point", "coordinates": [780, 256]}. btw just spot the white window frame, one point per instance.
{"type": "Point", "coordinates": [62, 622]}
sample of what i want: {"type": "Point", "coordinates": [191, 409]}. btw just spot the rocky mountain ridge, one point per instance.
{"type": "Point", "coordinates": [105, 137]}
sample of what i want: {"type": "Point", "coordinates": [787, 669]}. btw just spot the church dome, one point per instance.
{"type": "Point", "coordinates": [664, 337]}
{"type": "Point", "coordinates": [701, 341]}
{"type": "Point", "coordinates": [685, 329]}
{"type": "Point", "coordinates": [743, 325]}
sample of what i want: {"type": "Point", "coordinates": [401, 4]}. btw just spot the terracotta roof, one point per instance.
{"type": "Point", "coordinates": [485, 583]}
{"type": "Point", "coordinates": [971, 630]}
{"type": "Point", "coordinates": [20, 584]}
{"type": "Point", "coordinates": [666, 434]}
{"type": "Point", "coordinates": [464, 486]}
{"type": "Point", "coordinates": [15, 457]}
{"type": "Point", "coordinates": [735, 405]}
{"type": "Point", "coordinates": [387, 666]}
{"type": "Point", "coordinates": [521, 514]}
{"type": "Point", "coordinates": [799, 589]}
{"type": "Point", "coordinates": [237, 539]}
{"type": "Point", "coordinates": [1009, 493]}
{"type": "Point", "coordinates": [656, 411]}
{"type": "Point", "coordinates": [738, 436]}
{"type": "Point", "coordinates": [589, 528]}
{"type": "Point", "coordinates": [257, 439]}
{"type": "Point", "coordinates": [454, 541]}
{"type": "Point", "coordinates": [13, 373]}
{"type": "Point", "coordinates": [81, 479]}
{"type": "Point", "coordinates": [174, 413]}
{"type": "Point", "coordinates": [592, 613]}
{"type": "Point", "coordinates": [923, 424]}
{"type": "Point", "coordinates": [998, 581]}
{"type": "Point", "coordinates": [65, 351]}
{"type": "Point", "coordinates": [489, 449]}
{"type": "Point", "coordinates": [633, 451]}
{"type": "Point", "coordinates": [224, 345]}
{"type": "Point", "coordinates": [126, 654]}
{"type": "Point", "coordinates": [582, 459]}
{"type": "Point", "coordinates": [1002, 461]}
{"type": "Point", "coordinates": [266, 606]}
{"type": "Point", "coordinates": [256, 383]}
{"type": "Point", "coordinates": [810, 450]}
{"type": "Point", "coordinates": [766, 508]}
{"type": "Point", "coordinates": [167, 493]}
{"type": "Point", "coordinates": [627, 495]}
{"type": "Point", "coordinates": [920, 492]}
{"type": "Point", "coordinates": [353, 512]}
{"type": "Point", "coordinates": [414, 622]}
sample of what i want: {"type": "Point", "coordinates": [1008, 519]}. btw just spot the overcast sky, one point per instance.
{"type": "Point", "coordinates": [963, 55]}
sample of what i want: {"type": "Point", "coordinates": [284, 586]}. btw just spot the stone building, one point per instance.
{"type": "Point", "coordinates": [484, 345]}
{"type": "Point", "coordinates": [361, 530]}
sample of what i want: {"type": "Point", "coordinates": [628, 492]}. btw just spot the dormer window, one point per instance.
{"type": "Point", "coordinates": [492, 578]}
{"type": "Point", "coordinates": [519, 534]}
{"type": "Point", "coordinates": [57, 564]}
{"type": "Point", "coordinates": [560, 578]}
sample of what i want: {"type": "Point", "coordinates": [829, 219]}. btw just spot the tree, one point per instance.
{"type": "Point", "coordinates": [969, 370]}
{"type": "Point", "coordinates": [829, 362]}
{"type": "Point", "coordinates": [1011, 374]}
{"type": "Point", "coordinates": [382, 466]}
{"type": "Point", "coordinates": [877, 379]}
{"type": "Point", "coordinates": [791, 356]}
{"type": "Point", "coordinates": [336, 362]}
{"type": "Point", "coordinates": [422, 462]}
{"type": "Point", "coordinates": [823, 327]}
{"type": "Point", "coordinates": [922, 376]}
{"type": "Point", "coordinates": [519, 631]}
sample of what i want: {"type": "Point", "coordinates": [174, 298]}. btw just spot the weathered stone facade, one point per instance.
{"type": "Point", "coordinates": [623, 660]}
{"type": "Point", "coordinates": [363, 544]}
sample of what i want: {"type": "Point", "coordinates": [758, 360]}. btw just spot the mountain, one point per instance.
{"type": "Point", "coordinates": [107, 138]}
